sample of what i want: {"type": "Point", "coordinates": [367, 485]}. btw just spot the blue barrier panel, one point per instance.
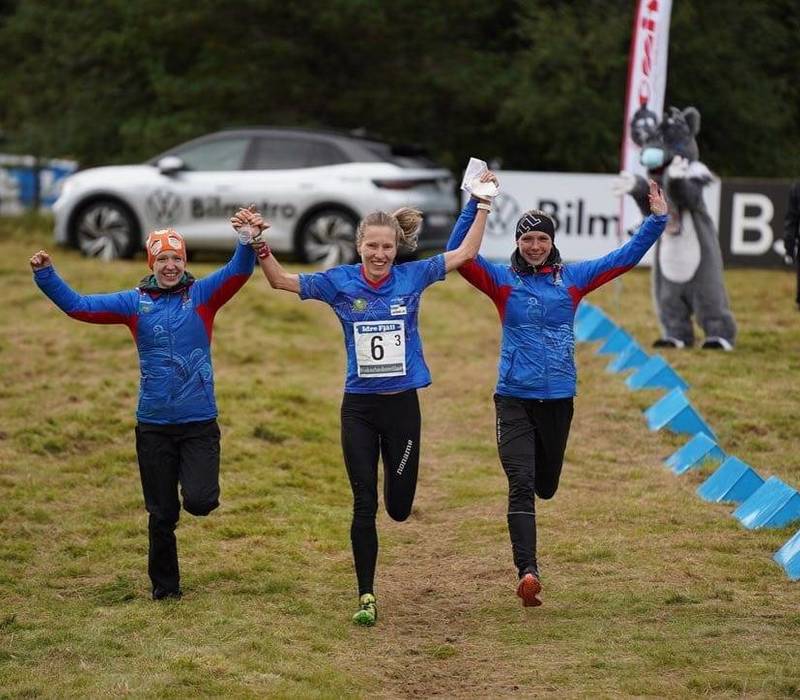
{"type": "Point", "coordinates": [774, 504]}
{"type": "Point", "coordinates": [732, 481]}
{"type": "Point", "coordinates": [694, 453]}
{"type": "Point", "coordinates": [583, 308]}
{"type": "Point", "coordinates": [630, 358]}
{"type": "Point", "coordinates": [674, 411]}
{"type": "Point", "coordinates": [595, 325]}
{"type": "Point", "coordinates": [788, 557]}
{"type": "Point", "coordinates": [655, 374]}
{"type": "Point", "coordinates": [615, 343]}
{"type": "Point", "coordinates": [591, 316]}
{"type": "Point", "coordinates": [28, 176]}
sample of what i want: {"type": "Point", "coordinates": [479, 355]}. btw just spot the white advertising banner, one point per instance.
{"type": "Point", "coordinates": [585, 212]}
{"type": "Point", "coordinates": [647, 81]}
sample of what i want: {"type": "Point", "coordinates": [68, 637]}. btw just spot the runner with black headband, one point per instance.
{"type": "Point", "coordinates": [536, 296]}
{"type": "Point", "coordinates": [377, 302]}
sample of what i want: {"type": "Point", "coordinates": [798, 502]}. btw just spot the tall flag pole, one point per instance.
{"type": "Point", "coordinates": [647, 81]}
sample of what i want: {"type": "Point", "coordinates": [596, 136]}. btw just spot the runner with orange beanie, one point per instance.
{"type": "Point", "coordinates": [170, 315]}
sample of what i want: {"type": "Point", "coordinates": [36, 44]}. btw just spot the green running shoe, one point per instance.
{"type": "Point", "coordinates": [368, 612]}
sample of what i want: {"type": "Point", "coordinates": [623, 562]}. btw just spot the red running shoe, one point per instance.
{"type": "Point", "coordinates": [528, 589]}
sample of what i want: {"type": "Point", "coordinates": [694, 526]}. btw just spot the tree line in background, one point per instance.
{"type": "Point", "coordinates": [538, 84]}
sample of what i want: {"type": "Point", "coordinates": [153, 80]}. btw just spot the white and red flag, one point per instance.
{"type": "Point", "coordinates": [647, 81]}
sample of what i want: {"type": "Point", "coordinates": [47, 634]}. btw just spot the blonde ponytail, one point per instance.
{"type": "Point", "coordinates": [410, 222]}
{"type": "Point", "coordinates": [405, 222]}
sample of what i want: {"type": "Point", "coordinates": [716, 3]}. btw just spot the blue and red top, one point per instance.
{"type": "Point", "coordinates": [172, 332]}
{"type": "Point", "coordinates": [537, 309]}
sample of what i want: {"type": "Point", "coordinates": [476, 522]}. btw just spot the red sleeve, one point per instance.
{"type": "Point", "coordinates": [481, 275]}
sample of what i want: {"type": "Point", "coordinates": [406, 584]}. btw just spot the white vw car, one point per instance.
{"type": "Point", "coordinates": [313, 187]}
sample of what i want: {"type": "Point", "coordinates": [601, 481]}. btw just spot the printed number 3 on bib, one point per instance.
{"type": "Point", "coordinates": [380, 348]}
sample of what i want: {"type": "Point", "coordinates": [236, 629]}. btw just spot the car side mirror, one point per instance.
{"type": "Point", "coordinates": [169, 165]}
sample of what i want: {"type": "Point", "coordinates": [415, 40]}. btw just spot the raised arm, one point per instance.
{"type": "Point", "coordinates": [479, 272]}
{"type": "Point", "coordinates": [464, 221]}
{"type": "Point", "coordinates": [118, 307]}
{"type": "Point", "coordinates": [634, 185]}
{"type": "Point", "coordinates": [222, 284]}
{"type": "Point", "coordinates": [250, 225]}
{"type": "Point", "coordinates": [590, 274]}
{"type": "Point", "coordinates": [468, 248]}
{"type": "Point", "coordinates": [277, 277]}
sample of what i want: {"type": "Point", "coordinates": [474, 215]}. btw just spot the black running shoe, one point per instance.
{"type": "Point", "coordinates": [163, 593]}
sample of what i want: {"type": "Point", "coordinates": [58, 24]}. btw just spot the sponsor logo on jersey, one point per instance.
{"type": "Point", "coordinates": [145, 304]}
{"type": "Point", "coordinates": [397, 306]}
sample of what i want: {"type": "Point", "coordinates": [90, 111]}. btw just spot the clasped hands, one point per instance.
{"type": "Point", "coordinates": [251, 218]}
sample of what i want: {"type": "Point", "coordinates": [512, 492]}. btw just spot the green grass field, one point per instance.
{"type": "Point", "coordinates": [649, 591]}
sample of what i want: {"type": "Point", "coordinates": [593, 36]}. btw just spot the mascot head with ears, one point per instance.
{"type": "Point", "coordinates": [662, 142]}
{"type": "Point", "coordinates": [688, 283]}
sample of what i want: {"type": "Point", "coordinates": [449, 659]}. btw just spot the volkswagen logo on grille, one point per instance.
{"type": "Point", "coordinates": [164, 207]}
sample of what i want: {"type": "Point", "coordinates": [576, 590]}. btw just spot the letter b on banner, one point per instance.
{"type": "Point", "coordinates": [753, 214]}
{"type": "Point", "coordinates": [751, 221]}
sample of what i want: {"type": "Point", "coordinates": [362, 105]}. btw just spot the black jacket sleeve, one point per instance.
{"type": "Point", "coordinates": [791, 223]}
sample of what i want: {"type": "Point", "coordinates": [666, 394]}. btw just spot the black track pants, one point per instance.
{"type": "Point", "coordinates": [797, 264]}
{"type": "Point", "coordinates": [169, 455]}
{"type": "Point", "coordinates": [531, 439]}
{"type": "Point", "coordinates": [373, 425]}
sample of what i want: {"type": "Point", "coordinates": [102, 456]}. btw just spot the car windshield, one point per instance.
{"type": "Point", "coordinates": [219, 154]}
{"type": "Point", "coordinates": [405, 157]}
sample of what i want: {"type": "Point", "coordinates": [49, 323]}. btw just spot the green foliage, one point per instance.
{"type": "Point", "coordinates": [738, 62]}
{"type": "Point", "coordinates": [538, 84]}
{"type": "Point", "coordinates": [564, 109]}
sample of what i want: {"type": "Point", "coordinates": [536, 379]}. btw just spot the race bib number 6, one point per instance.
{"type": "Point", "coordinates": [380, 348]}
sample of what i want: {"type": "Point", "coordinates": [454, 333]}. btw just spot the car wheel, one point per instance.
{"type": "Point", "coordinates": [107, 230]}
{"type": "Point", "coordinates": [328, 238]}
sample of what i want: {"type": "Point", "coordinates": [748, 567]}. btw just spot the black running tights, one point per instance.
{"type": "Point", "coordinates": [373, 425]}
{"type": "Point", "coordinates": [531, 439]}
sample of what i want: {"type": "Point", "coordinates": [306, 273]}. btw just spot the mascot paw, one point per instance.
{"type": "Point", "coordinates": [670, 342]}
{"type": "Point", "coordinates": [623, 183]}
{"type": "Point", "coordinates": [678, 168]}
{"type": "Point", "coordinates": [715, 343]}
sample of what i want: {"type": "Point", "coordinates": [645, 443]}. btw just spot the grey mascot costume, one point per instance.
{"type": "Point", "coordinates": [687, 267]}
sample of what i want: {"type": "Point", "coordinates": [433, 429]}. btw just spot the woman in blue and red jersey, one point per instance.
{"type": "Point", "coordinates": [170, 315]}
{"type": "Point", "coordinates": [377, 303]}
{"type": "Point", "coordinates": [536, 297]}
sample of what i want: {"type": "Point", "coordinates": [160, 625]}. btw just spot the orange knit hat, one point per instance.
{"type": "Point", "coordinates": [165, 239]}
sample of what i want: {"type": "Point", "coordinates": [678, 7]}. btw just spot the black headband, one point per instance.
{"type": "Point", "coordinates": [535, 222]}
